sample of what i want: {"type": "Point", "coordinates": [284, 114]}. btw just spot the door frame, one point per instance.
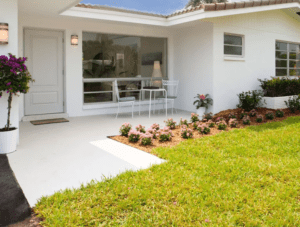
{"type": "Point", "coordinates": [63, 65]}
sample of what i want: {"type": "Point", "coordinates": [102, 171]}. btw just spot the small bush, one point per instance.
{"type": "Point", "coordinates": [183, 122]}
{"type": "Point", "coordinates": [279, 113]}
{"type": "Point", "coordinates": [222, 125]}
{"type": "Point", "coordinates": [195, 125]}
{"type": "Point", "coordinates": [170, 123]}
{"type": "Point", "coordinates": [134, 135]}
{"type": "Point", "coordinates": [153, 132]}
{"type": "Point", "coordinates": [165, 134]}
{"type": "Point", "coordinates": [140, 128]}
{"type": "Point", "coordinates": [259, 118]}
{"type": "Point", "coordinates": [125, 128]}
{"type": "Point", "coordinates": [194, 117]}
{"type": "Point", "coordinates": [208, 116]}
{"type": "Point", "coordinates": [277, 87]}
{"type": "Point", "coordinates": [146, 139]}
{"type": "Point", "coordinates": [220, 119]}
{"type": "Point", "coordinates": [203, 128]}
{"type": "Point", "coordinates": [155, 126]}
{"type": "Point", "coordinates": [246, 120]}
{"type": "Point", "coordinates": [211, 123]}
{"type": "Point", "coordinates": [232, 116]}
{"type": "Point", "coordinates": [243, 114]}
{"type": "Point", "coordinates": [293, 103]}
{"type": "Point", "coordinates": [250, 100]}
{"type": "Point", "coordinates": [186, 132]}
{"type": "Point", "coordinates": [270, 115]}
{"type": "Point", "coordinates": [233, 123]}
{"type": "Point", "coordinates": [252, 113]}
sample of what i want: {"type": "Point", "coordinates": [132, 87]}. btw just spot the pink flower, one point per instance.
{"type": "Point", "coordinates": [206, 220]}
{"type": "Point", "coordinates": [202, 97]}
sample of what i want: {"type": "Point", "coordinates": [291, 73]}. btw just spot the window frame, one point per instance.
{"type": "Point", "coordinates": [243, 46]}
{"type": "Point", "coordinates": [288, 68]}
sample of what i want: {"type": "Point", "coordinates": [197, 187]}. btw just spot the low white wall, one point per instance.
{"type": "Point", "coordinates": [73, 56]}
{"type": "Point", "coordinates": [9, 14]}
{"type": "Point", "coordinates": [261, 30]}
{"type": "Point", "coordinates": [193, 63]}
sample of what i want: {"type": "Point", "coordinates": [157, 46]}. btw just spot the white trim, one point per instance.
{"type": "Point", "coordinates": [129, 17]}
{"type": "Point", "coordinates": [228, 58]}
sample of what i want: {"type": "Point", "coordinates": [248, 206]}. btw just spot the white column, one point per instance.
{"type": "Point", "coordinates": [9, 14]}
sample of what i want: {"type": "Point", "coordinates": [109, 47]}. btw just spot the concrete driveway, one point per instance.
{"type": "Point", "coordinates": [65, 155]}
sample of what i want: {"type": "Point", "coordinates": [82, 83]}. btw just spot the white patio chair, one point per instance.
{"type": "Point", "coordinates": [171, 87]}
{"type": "Point", "coordinates": [125, 100]}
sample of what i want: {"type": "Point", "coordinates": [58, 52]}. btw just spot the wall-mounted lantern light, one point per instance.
{"type": "Point", "coordinates": [74, 40]}
{"type": "Point", "coordinates": [3, 33]}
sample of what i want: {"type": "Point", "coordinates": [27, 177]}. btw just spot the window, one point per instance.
{"type": "Point", "coordinates": [129, 59]}
{"type": "Point", "coordinates": [233, 45]}
{"type": "Point", "coordinates": [287, 59]}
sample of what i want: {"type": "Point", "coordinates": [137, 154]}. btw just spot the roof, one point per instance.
{"type": "Point", "coordinates": [205, 7]}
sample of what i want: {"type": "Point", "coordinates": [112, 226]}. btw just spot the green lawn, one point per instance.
{"type": "Point", "coordinates": [245, 177]}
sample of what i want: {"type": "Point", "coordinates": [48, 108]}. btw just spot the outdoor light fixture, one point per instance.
{"type": "Point", "coordinates": [74, 40]}
{"type": "Point", "coordinates": [156, 74]}
{"type": "Point", "coordinates": [3, 33]}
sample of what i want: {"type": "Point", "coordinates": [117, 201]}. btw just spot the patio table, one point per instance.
{"type": "Point", "coordinates": [153, 90]}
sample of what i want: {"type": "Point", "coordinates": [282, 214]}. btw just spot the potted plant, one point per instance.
{"type": "Point", "coordinates": [14, 79]}
{"type": "Point", "coordinates": [202, 103]}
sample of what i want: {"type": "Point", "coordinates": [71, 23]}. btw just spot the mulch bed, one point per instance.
{"type": "Point", "coordinates": [177, 137]}
{"type": "Point", "coordinates": [32, 221]}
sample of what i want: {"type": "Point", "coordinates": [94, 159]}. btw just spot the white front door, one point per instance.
{"type": "Point", "coordinates": [44, 50]}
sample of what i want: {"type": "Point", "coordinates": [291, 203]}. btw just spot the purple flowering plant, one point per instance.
{"type": "Point", "coordinates": [14, 79]}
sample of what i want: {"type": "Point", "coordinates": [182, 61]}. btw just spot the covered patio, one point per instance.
{"type": "Point", "coordinates": [55, 157]}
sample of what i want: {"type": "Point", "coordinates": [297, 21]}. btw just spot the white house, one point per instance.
{"type": "Point", "coordinates": [220, 49]}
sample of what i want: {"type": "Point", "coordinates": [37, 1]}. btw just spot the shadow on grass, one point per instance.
{"type": "Point", "coordinates": [275, 125]}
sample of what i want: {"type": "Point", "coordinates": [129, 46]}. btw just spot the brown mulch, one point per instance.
{"type": "Point", "coordinates": [177, 137]}
{"type": "Point", "coordinates": [32, 221]}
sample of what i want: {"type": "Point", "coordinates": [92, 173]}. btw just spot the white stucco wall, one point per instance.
{"type": "Point", "coordinates": [9, 14]}
{"type": "Point", "coordinates": [193, 63]}
{"type": "Point", "coordinates": [73, 56]}
{"type": "Point", "coordinates": [261, 30]}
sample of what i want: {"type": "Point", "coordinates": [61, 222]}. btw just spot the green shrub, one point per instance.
{"type": "Point", "coordinates": [246, 120]}
{"type": "Point", "coordinates": [270, 115]}
{"type": "Point", "coordinates": [146, 139]}
{"type": "Point", "coordinates": [259, 118]}
{"type": "Point", "coordinates": [276, 87]}
{"type": "Point", "coordinates": [203, 128]}
{"type": "Point", "coordinates": [211, 123]}
{"type": "Point", "coordinates": [170, 123]}
{"type": "Point", "coordinates": [134, 136]}
{"type": "Point", "coordinates": [243, 114]}
{"type": "Point", "coordinates": [232, 115]}
{"type": "Point", "coordinates": [221, 125]}
{"type": "Point", "coordinates": [250, 100]}
{"type": "Point", "coordinates": [279, 113]}
{"type": "Point", "coordinates": [252, 113]}
{"type": "Point", "coordinates": [208, 116]}
{"type": "Point", "coordinates": [194, 117]}
{"type": "Point", "coordinates": [233, 123]}
{"type": "Point", "coordinates": [186, 132]}
{"type": "Point", "coordinates": [125, 128]}
{"type": "Point", "coordinates": [293, 103]}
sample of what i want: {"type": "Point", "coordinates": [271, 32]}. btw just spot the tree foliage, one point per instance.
{"type": "Point", "coordinates": [194, 3]}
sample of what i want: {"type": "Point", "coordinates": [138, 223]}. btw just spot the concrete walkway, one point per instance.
{"type": "Point", "coordinates": [58, 156]}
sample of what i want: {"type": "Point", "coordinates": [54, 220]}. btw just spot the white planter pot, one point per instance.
{"type": "Point", "coordinates": [8, 141]}
{"type": "Point", "coordinates": [276, 102]}
{"type": "Point", "coordinates": [201, 112]}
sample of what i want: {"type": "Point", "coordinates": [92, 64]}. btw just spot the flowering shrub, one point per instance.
{"type": "Point", "coordinates": [165, 134]}
{"type": "Point", "coordinates": [140, 128]}
{"type": "Point", "coordinates": [186, 132]}
{"type": "Point", "coordinates": [222, 125]}
{"type": "Point", "coordinates": [233, 123]}
{"type": "Point", "coordinates": [14, 78]}
{"type": "Point", "coordinates": [195, 124]}
{"type": "Point", "coordinates": [243, 114]}
{"type": "Point", "coordinates": [183, 122]}
{"type": "Point", "coordinates": [259, 118]}
{"type": "Point", "coordinates": [194, 117]}
{"type": "Point", "coordinates": [155, 126]}
{"type": "Point", "coordinates": [246, 120]}
{"type": "Point", "coordinates": [203, 101]}
{"type": "Point", "coordinates": [125, 128]}
{"type": "Point", "coordinates": [211, 123]}
{"type": "Point", "coordinates": [170, 123]}
{"type": "Point", "coordinates": [232, 115]}
{"type": "Point", "coordinates": [293, 103]}
{"type": "Point", "coordinates": [203, 128]}
{"type": "Point", "coordinates": [134, 135]}
{"type": "Point", "coordinates": [252, 113]}
{"type": "Point", "coordinates": [270, 115]}
{"type": "Point", "coordinates": [208, 116]}
{"type": "Point", "coordinates": [279, 113]}
{"type": "Point", "coordinates": [146, 139]}
{"type": "Point", "coordinates": [220, 119]}
{"type": "Point", "coordinates": [153, 132]}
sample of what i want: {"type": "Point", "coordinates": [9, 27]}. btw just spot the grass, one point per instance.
{"type": "Point", "coordinates": [245, 177]}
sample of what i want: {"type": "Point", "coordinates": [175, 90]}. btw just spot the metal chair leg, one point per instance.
{"type": "Point", "coordinates": [118, 110]}
{"type": "Point", "coordinates": [132, 108]}
{"type": "Point", "coordinates": [172, 107]}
